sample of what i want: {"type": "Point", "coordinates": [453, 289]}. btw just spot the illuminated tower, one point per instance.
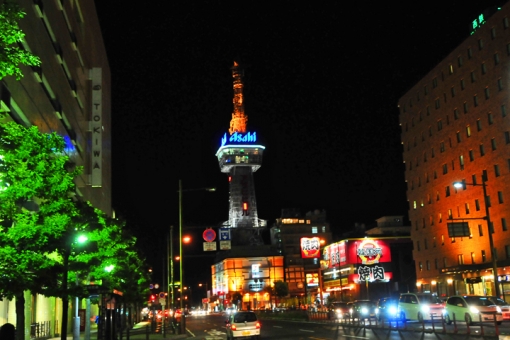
{"type": "Point", "coordinates": [240, 156]}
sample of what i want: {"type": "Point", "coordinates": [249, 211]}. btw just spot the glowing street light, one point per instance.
{"type": "Point", "coordinates": [487, 217]}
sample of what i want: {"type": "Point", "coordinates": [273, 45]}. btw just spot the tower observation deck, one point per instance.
{"type": "Point", "coordinates": [240, 156]}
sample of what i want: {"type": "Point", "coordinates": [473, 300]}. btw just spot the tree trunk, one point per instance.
{"type": "Point", "coordinates": [20, 316]}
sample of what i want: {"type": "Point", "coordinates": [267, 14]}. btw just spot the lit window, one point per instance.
{"type": "Point", "coordinates": [314, 230]}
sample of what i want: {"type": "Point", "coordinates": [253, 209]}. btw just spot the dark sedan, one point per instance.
{"type": "Point", "coordinates": [364, 309]}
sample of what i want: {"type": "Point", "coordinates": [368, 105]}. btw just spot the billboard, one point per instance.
{"type": "Point", "coordinates": [370, 257]}
{"type": "Point", "coordinates": [310, 248]}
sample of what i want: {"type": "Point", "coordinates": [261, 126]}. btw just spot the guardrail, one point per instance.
{"type": "Point", "coordinates": [438, 323]}
{"type": "Point", "coordinates": [40, 330]}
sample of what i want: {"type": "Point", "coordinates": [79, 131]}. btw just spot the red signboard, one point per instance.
{"type": "Point", "coordinates": [365, 251]}
{"type": "Point", "coordinates": [310, 247]}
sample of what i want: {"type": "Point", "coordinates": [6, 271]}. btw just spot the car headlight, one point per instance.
{"type": "Point", "coordinates": [338, 311]}
{"type": "Point", "coordinates": [425, 309]}
{"type": "Point", "coordinates": [377, 311]}
{"type": "Point", "coordinates": [473, 309]}
{"type": "Point", "coordinates": [498, 309]}
{"type": "Point", "coordinates": [364, 310]}
{"type": "Point", "coordinates": [392, 310]}
{"type": "Point", "coordinates": [351, 310]}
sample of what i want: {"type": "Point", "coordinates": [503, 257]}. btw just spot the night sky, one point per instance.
{"type": "Point", "coordinates": [322, 81]}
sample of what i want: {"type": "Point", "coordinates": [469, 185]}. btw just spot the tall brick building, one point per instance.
{"type": "Point", "coordinates": [456, 127]}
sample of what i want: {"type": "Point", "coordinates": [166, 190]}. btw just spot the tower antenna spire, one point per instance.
{"type": "Point", "coordinates": [239, 119]}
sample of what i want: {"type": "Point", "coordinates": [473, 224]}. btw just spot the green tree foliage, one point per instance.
{"type": "Point", "coordinates": [281, 289]}
{"type": "Point", "coordinates": [32, 170]}
{"type": "Point", "coordinates": [35, 211]}
{"type": "Point", "coordinates": [11, 55]}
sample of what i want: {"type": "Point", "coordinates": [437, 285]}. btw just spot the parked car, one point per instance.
{"type": "Point", "coordinates": [388, 308]}
{"type": "Point", "coordinates": [242, 324]}
{"type": "Point", "coordinates": [471, 308]}
{"type": "Point", "coordinates": [363, 309]}
{"type": "Point", "coordinates": [420, 306]}
{"type": "Point", "coordinates": [338, 310]}
{"type": "Point", "coordinates": [505, 306]}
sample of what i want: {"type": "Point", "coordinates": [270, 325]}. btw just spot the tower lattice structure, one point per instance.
{"type": "Point", "coordinates": [240, 156]}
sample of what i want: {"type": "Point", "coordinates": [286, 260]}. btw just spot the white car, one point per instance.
{"type": "Point", "coordinates": [420, 306]}
{"type": "Point", "coordinates": [242, 324]}
{"type": "Point", "coordinates": [471, 308]}
{"type": "Point", "coordinates": [230, 310]}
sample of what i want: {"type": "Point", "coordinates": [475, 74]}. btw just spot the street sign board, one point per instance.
{"type": "Point", "coordinates": [162, 295]}
{"type": "Point", "coordinates": [162, 302]}
{"type": "Point", "coordinates": [209, 246]}
{"type": "Point", "coordinates": [225, 245]}
{"type": "Point", "coordinates": [224, 234]}
{"type": "Point", "coordinates": [209, 235]}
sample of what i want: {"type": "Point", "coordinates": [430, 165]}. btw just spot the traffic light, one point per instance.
{"type": "Point", "coordinates": [153, 298]}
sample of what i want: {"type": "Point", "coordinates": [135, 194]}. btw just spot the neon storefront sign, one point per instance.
{"type": "Point", "coordinates": [236, 137]}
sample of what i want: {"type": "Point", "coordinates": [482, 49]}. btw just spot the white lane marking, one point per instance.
{"type": "Point", "coordinates": [307, 330]}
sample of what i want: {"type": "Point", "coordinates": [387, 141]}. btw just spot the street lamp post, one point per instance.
{"type": "Point", "coordinates": [181, 277]}
{"type": "Point", "coordinates": [488, 219]}
{"type": "Point", "coordinates": [65, 298]}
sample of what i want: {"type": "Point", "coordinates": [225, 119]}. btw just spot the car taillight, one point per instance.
{"type": "Point", "coordinates": [257, 325]}
{"type": "Point", "coordinates": [233, 327]}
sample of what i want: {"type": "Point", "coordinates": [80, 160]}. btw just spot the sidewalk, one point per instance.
{"type": "Point", "coordinates": [138, 332]}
